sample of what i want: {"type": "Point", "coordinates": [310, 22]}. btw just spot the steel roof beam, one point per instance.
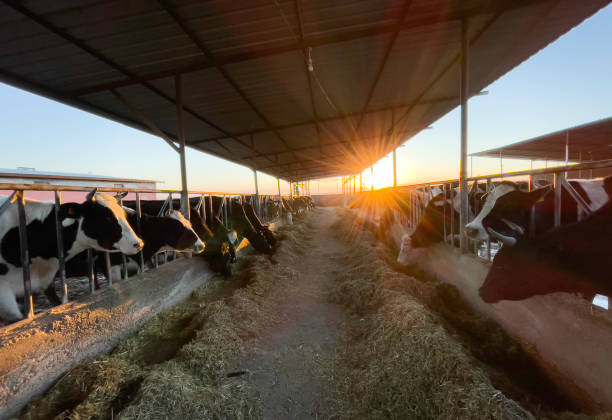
{"type": "Point", "coordinates": [383, 63]}
{"type": "Point", "coordinates": [307, 71]}
{"type": "Point", "coordinates": [329, 119]}
{"type": "Point", "coordinates": [209, 56]}
{"type": "Point", "coordinates": [99, 56]}
{"type": "Point", "coordinates": [490, 7]}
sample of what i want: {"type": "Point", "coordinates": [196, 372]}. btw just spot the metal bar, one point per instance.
{"type": "Point", "coordinates": [139, 231]}
{"type": "Point", "coordinates": [210, 208]}
{"type": "Point", "coordinates": [124, 269]}
{"type": "Point", "coordinates": [394, 168]}
{"type": "Point", "coordinates": [24, 256]}
{"type": "Point", "coordinates": [91, 270]}
{"type": "Point", "coordinates": [109, 274]}
{"type": "Point", "coordinates": [463, 190]}
{"type": "Point", "coordinates": [146, 121]}
{"type": "Point", "coordinates": [444, 213]}
{"type": "Point", "coordinates": [178, 86]}
{"type": "Point", "coordinates": [489, 186]}
{"type": "Point", "coordinates": [452, 219]}
{"type": "Point", "coordinates": [557, 201]}
{"type": "Point", "coordinates": [257, 209]}
{"type": "Point", "coordinates": [9, 200]}
{"type": "Point", "coordinates": [582, 204]}
{"type": "Point", "coordinates": [225, 204]}
{"type": "Point", "coordinates": [59, 235]}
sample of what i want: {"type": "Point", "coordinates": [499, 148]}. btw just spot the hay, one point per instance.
{"type": "Point", "coordinates": [178, 366]}
{"type": "Point", "coordinates": [416, 349]}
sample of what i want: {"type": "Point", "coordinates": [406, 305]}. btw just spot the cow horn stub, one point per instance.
{"type": "Point", "coordinates": [92, 193]}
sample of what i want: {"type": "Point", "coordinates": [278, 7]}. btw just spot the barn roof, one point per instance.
{"type": "Point", "coordinates": [586, 142]}
{"type": "Point", "coordinates": [248, 94]}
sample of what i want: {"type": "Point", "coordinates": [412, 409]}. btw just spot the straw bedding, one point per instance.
{"type": "Point", "coordinates": [178, 365]}
{"type": "Point", "coordinates": [415, 349]}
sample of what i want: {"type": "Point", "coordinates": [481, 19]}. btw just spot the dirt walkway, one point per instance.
{"type": "Point", "coordinates": [288, 367]}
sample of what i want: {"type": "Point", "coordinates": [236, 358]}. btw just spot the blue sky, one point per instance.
{"type": "Point", "coordinates": [566, 84]}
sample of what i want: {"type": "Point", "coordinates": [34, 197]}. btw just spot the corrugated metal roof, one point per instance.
{"type": "Point", "coordinates": [247, 93]}
{"type": "Point", "coordinates": [586, 142]}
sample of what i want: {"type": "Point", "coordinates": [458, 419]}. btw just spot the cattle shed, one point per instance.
{"type": "Point", "coordinates": [583, 143]}
{"type": "Point", "coordinates": [299, 90]}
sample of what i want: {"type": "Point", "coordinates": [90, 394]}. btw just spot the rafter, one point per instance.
{"type": "Point", "coordinates": [209, 56]}
{"type": "Point", "coordinates": [314, 41]}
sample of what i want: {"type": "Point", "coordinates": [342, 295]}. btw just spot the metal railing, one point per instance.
{"type": "Point", "coordinates": [206, 199]}
{"type": "Point", "coordinates": [418, 199]}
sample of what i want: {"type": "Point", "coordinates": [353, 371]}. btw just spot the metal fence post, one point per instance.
{"type": "Point", "coordinates": [558, 186]}
{"type": "Point", "coordinates": [91, 270]}
{"type": "Point", "coordinates": [139, 229]}
{"type": "Point", "coordinates": [25, 255]}
{"type": "Point", "coordinates": [109, 274]}
{"type": "Point", "coordinates": [59, 234]}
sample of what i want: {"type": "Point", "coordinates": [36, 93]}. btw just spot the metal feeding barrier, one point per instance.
{"type": "Point", "coordinates": [17, 197]}
{"type": "Point", "coordinates": [419, 197]}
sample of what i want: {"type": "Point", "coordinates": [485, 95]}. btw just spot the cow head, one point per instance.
{"type": "Point", "coordinates": [103, 224]}
{"type": "Point", "coordinates": [184, 239]}
{"type": "Point", "coordinates": [518, 273]}
{"type": "Point", "coordinates": [430, 229]}
{"type": "Point", "coordinates": [504, 214]}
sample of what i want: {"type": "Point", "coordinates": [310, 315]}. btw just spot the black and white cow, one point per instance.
{"type": "Point", "coordinates": [506, 212]}
{"type": "Point", "coordinates": [98, 223]}
{"type": "Point", "coordinates": [159, 233]}
{"type": "Point", "coordinates": [259, 227]}
{"type": "Point", "coordinates": [574, 258]}
{"type": "Point", "coordinates": [219, 241]}
{"type": "Point", "coordinates": [244, 228]}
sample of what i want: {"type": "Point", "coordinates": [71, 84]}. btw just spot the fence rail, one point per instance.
{"type": "Point", "coordinates": [418, 199]}
{"type": "Point", "coordinates": [18, 197]}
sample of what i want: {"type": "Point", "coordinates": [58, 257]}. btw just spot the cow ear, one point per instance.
{"type": "Point", "coordinates": [120, 196]}
{"type": "Point", "coordinates": [92, 193]}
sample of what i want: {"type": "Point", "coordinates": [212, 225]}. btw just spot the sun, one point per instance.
{"type": "Point", "coordinates": [382, 176]}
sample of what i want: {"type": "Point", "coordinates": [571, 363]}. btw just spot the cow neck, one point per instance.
{"type": "Point", "coordinates": [152, 233]}
{"type": "Point", "coordinates": [41, 234]}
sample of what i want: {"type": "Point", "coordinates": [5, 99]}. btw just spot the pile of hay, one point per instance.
{"type": "Point", "coordinates": [179, 365]}
{"type": "Point", "coordinates": [417, 350]}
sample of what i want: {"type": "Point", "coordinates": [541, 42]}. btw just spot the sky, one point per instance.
{"type": "Point", "coordinates": [566, 84]}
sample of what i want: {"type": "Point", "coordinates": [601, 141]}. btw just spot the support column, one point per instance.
{"type": "Point", "coordinates": [464, 210]}
{"type": "Point", "coordinates": [257, 208]}
{"type": "Point", "coordinates": [394, 168]}
{"type": "Point", "coordinates": [181, 138]}
{"type": "Point", "coordinates": [278, 184]}
{"type": "Point", "coordinates": [372, 177]}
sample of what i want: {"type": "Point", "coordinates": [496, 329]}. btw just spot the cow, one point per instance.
{"type": "Point", "coordinates": [438, 213]}
{"type": "Point", "coordinates": [259, 227]}
{"type": "Point", "coordinates": [170, 232]}
{"type": "Point", "coordinates": [99, 223]}
{"type": "Point", "coordinates": [573, 258]}
{"type": "Point", "coordinates": [244, 228]}
{"type": "Point", "coordinates": [219, 242]}
{"type": "Point", "coordinates": [506, 212]}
